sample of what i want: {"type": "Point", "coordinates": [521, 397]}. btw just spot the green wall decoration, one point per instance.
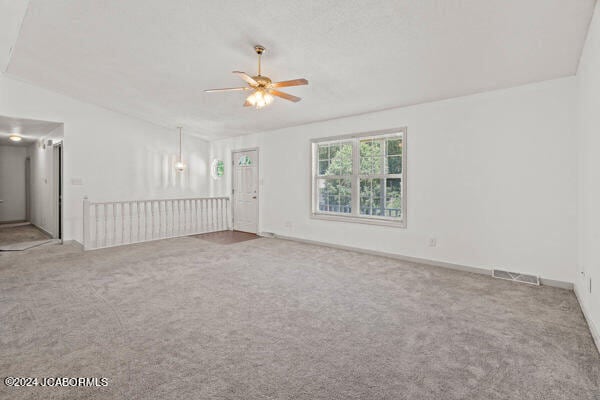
{"type": "Point", "coordinates": [217, 169]}
{"type": "Point", "coordinates": [244, 161]}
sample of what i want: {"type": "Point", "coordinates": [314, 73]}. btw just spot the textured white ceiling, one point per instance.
{"type": "Point", "coordinates": [153, 58]}
{"type": "Point", "coordinates": [11, 17]}
{"type": "Point", "coordinates": [29, 129]}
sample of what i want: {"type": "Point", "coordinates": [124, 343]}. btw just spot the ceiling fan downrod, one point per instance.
{"type": "Point", "coordinates": [259, 50]}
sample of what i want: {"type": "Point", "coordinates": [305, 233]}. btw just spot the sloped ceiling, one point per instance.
{"type": "Point", "coordinates": [153, 58]}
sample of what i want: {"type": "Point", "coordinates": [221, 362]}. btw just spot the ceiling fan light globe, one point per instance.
{"type": "Point", "coordinates": [180, 166]}
{"type": "Point", "coordinates": [268, 98]}
{"type": "Point", "coordinates": [260, 98]}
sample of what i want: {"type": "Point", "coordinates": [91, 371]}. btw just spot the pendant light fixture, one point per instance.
{"type": "Point", "coordinates": [179, 165]}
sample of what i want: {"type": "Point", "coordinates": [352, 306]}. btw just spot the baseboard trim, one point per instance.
{"type": "Point", "coordinates": [418, 260]}
{"type": "Point", "coordinates": [43, 230]}
{"type": "Point", "coordinates": [557, 284]}
{"type": "Point", "coordinates": [16, 221]}
{"type": "Point", "coordinates": [588, 318]}
{"type": "Point", "coordinates": [73, 243]}
{"type": "Point", "coordinates": [6, 225]}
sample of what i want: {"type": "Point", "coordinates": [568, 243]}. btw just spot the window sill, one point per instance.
{"type": "Point", "coordinates": [360, 220]}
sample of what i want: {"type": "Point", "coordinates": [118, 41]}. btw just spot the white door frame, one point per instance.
{"type": "Point", "coordinates": [58, 155]}
{"type": "Point", "coordinates": [257, 188]}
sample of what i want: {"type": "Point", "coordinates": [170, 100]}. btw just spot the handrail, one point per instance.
{"type": "Point", "coordinates": [116, 223]}
{"type": "Point", "coordinates": [164, 199]}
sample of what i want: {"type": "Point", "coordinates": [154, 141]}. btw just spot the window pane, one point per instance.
{"type": "Point", "coordinates": [323, 167]}
{"type": "Point", "coordinates": [371, 197]}
{"type": "Point", "coordinates": [322, 197]}
{"type": "Point", "coordinates": [378, 156]}
{"type": "Point", "coordinates": [394, 147]}
{"type": "Point", "coordinates": [334, 195]}
{"type": "Point", "coordinates": [377, 206]}
{"type": "Point", "coordinates": [377, 148]}
{"type": "Point", "coordinates": [371, 156]}
{"type": "Point", "coordinates": [378, 165]}
{"type": "Point", "coordinates": [323, 152]}
{"type": "Point", "coordinates": [393, 200]}
{"type": "Point", "coordinates": [333, 150]}
{"type": "Point", "coordinates": [335, 159]}
{"type": "Point", "coordinates": [393, 165]}
{"type": "Point", "coordinates": [341, 162]}
{"type": "Point", "coordinates": [365, 148]}
{"type": "Point", "coordinates": [345, 204]}
{"type": "Point", "coordinates": [366, 165]}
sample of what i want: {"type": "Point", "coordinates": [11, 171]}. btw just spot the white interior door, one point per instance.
{"type": "Point", "coordinates": [245, 191]}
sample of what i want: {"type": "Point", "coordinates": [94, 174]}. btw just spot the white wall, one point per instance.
{"type": "Point", "coordinates": [44, 185]}
{"type": "Point", "coordinates": [114, 156]}
{"type": "Point", "coordinates": [491, 176]}
{"type": "Point", "coordinates": [12, 183]}
{"type": "Point", "coordinates": [588, 99]}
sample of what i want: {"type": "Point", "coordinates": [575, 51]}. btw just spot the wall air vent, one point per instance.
{"type": "Point", "coordinates": [516, 276]}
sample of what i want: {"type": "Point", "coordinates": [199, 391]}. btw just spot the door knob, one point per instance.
{"type": "Point", "coordinates": [253, 197]}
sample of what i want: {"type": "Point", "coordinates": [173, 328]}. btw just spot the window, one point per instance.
{"type": "Point", "coordinates": [360, 178]}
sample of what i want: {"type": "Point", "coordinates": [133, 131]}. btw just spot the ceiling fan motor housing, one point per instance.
{"type": "Point", "coordinates": [262, 80]}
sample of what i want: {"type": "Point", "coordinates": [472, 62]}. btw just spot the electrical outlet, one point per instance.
{"type": "Point", "coordinates": [590, 283]}
{"type": "Point", "coordinates": [432, 242]}
{"type": "Point", "coordinates": [287, 224]}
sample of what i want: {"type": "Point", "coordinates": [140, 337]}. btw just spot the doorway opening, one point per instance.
{"type": "Point", "coordinates": [31, 183]}
{"type": "Point", "coordinates": [245, 192]}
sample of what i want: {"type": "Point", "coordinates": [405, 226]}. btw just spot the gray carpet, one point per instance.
{"type": "Point", "coordinates": [10, 235]}
{"type": "Point", "coordinates": [271, 319]}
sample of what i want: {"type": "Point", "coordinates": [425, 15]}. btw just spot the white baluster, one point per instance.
{"type": "Point", "coordinates": [86, 223]}
{"type": "Point", "coordinates": [114, 217]}
{"type": "Point", "coordinates": [227, 214]}
{"type": "Point", "coordinates": [216, 215]}
{"type": "Point", "coordinates": [187, 216]}
{"type": "Point", "coordinates": [151, 209]}
{"type": "Point", "coordinates": [146, 220]}
{"type": "Point", "coordinates": [129, 223]}
{"type": "Point", "coordinates": [182, 232]}
{"type": "Point", "coordinates": [204, 216]}
{"type": "Point", "coordinates": [221, 218]}
{"type": "Point", "coordinates": [196, 221]}
{"type": "Point", "coordinates": [97, 233]}
{"type": "Point", "coordinates": [158, 203]}
{"type": "Point", "coordinates": [182, 217]}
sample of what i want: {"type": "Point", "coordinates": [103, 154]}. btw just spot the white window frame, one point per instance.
{"type": "Point", "coordinates": [356, 176]}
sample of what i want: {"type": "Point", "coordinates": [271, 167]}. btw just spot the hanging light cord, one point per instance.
{"type": "Point", "coordinates": [180, 160]}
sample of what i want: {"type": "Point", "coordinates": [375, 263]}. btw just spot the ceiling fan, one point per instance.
{"type": "Point", "coordinates": [263, 89]}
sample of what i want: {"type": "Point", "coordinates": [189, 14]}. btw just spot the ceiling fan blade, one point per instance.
{"type": "Point", "coordinates": [246, 77]}
{"type": "Point", "coordinates": [285, 95]}
{"type": "Point", "coordinates": [227, 89]}
{"type": "Point", "coordinates": [293, 82]}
